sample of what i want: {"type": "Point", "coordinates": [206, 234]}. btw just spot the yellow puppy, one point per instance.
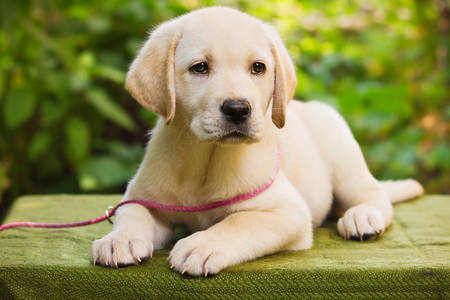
{"type": "Point", "coordinates": [222, 81]}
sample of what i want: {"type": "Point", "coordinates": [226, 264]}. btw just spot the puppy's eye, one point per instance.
{"type": "Point", "coordinates": [201, 68]}
{"type": "Point", "coordinates": [258, 68]}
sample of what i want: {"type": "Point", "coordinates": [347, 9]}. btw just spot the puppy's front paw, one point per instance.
{"type": "Point", "coordinates": [198, 255]}
{"type": "Point", "coordinates": [118, 249]}
{"type": "Point", "coordinates": [361, 222]}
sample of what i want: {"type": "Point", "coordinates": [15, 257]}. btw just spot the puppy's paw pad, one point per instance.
{"type": "Point", "coordinates": [360, 223]}
{"type": "Point", "coordinates": [120, 249]}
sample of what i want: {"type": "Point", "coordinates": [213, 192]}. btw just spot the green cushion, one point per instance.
{"type": "Point", "coordinates": [411, 260]}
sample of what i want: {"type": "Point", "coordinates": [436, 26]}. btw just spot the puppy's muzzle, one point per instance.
{"type": "Point", "coordinates": [236, 111]}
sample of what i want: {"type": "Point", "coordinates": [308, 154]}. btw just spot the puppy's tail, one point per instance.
{"type": "Point", "coordinates": [401, 190]}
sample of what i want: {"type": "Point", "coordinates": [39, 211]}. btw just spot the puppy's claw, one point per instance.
{"type": "Point", "coordinates": [362, 237]}
{"type": "Point", "coordinates": [355, 238]}
{"type": "Point", "coordinates": [137, 260]}
{"type": "Point", "coordinates": [368, 236]}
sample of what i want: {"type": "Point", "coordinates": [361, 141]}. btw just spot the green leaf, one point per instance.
{"type": "Point", "coordinates": [19, 106]}
{"type": "Point", "coordinates": [109, 109]}
{"type": "Point", "coordinates": [131, 154]}
{"type": "Point", "coordinates": [103, 172]}
{"type": "Point", "coordinates": [439, 157]}
{"type": "Point", "coordinates": [77, 140]}
{"type": "Point", "coordinates": [39, 144]}
{"type": "Point", "coordinates": [110, 73]}
{"type": "Point", "coordinates": [389, 99]}
{"type": "Point", "coordinates": [53, 109]}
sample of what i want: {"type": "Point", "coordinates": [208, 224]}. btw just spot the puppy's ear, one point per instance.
{"type": "Point", "coordinates": [150, 79]}
{"type": "Point", "coordinates": [285, 78]}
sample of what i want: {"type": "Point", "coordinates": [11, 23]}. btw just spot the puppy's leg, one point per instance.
{"type": "Point", "coordinates": [243, 236]}
{"type": "Point", "coordinates": [368, 213]}
{"type": "Point", "coordinates": [368, 210]}
{"type": "Point", "coordinates": [134, 236]}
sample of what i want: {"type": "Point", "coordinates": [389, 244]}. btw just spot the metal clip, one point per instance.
{"type": "Point", "coordinates": [107, 214]}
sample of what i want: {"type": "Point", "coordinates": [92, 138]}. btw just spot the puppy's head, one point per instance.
{"type": "Point", "coordinates": [217, 71]}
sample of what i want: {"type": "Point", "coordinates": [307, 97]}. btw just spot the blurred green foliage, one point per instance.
{"type": "Point", "coordinates": [68, 125]}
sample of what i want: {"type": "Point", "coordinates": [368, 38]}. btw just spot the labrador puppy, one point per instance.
{"type": "Point", "coordinates": [222, 82]}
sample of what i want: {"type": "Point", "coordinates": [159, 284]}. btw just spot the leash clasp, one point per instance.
{"type": "Point", "coordinates": [108, 214]}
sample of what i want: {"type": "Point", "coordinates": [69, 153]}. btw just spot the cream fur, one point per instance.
{"type": "Point", "coordinates": [190, 161]}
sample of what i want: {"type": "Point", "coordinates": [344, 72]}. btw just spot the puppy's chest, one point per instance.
{"type": "Point", "coordinates": [190, 191]}
{"type": "Point", "coordinates": [194, 221]}
{"type": "Point", "coordinates": [193, 189]}
{"type": "Point", "coordinates": [198, 184]}
{"type": "Point", "coordinates": [194, 192]}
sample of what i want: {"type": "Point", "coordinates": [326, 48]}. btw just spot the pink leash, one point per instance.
{"type": "Point", "coordinates": [112, 210]}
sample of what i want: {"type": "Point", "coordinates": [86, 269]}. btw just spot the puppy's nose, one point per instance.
{"type": "Point", "coordinates": [236, 111]}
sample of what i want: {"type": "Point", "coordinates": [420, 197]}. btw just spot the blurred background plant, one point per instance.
{"type": "Point", "coordinates": [67, 125]}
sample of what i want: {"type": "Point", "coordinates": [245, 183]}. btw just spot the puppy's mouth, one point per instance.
{"type": "Point", "coordinates": [234, 137]}
{"type": "Point", "coordinates": [229, 134]}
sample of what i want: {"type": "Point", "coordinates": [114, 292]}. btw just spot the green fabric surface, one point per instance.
{"type": "Point", "coordinates": [411, 260]}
